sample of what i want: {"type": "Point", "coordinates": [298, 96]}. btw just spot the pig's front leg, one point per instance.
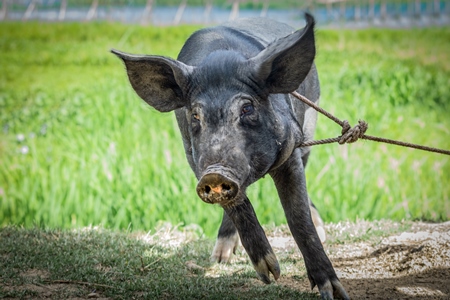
{"type": "Point", "coordinates": [227, 241]}
{"type": "Point", "coordinates": [291, 186]}
{"type": "Point", "coordinates": [254, 239]}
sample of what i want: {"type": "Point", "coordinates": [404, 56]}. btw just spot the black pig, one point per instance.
{"type": "Point", "coordinates": [230, 89]}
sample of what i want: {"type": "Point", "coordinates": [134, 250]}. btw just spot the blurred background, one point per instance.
{"type": "Point", "coordinates": [398, 13]}
{"type": "Point", "coordinates": [79, 148]}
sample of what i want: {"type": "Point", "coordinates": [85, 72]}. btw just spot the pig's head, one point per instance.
{"type": "Point", "coordinates": [236, 120]}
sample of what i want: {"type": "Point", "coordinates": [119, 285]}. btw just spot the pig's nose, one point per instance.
{"type": "Point", "coordinates": [216, 188]}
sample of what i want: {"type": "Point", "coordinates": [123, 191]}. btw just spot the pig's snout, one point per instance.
{"type": "Point", "coordinates": [216, 188]}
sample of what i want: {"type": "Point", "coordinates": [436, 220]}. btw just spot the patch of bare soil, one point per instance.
{"type": "Point", "coordinates": [409, 265]}
{"type": "Point", "coordinates": [58, 289]}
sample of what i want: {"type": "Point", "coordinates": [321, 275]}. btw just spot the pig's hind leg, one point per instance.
{"type": "Point", "coordinates": [227, 241]}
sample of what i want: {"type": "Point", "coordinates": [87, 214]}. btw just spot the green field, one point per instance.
{"type": "Point", "coordinates": [78, 147]}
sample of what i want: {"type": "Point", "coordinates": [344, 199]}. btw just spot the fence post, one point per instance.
{"type": "Point", "coordinates": [234, 10]}
{"type": "Point", "coordinates": [265, 8]}
{"type": "Point", "coordinates": [329, 5]}
{"type": "Point", "coordinates": [436, 7]}
{"type": "Point", "coordinates": [342, 6]}
{"type": "Point", "coordinates": [371, 10]}
{"type": "Point", "coordinates": [180, 12]}
{"type": "Point", "coordinates": [91, 13]}
{"type": "Point", "coordinates": [383, 11]}
{"type": "Point", "coordinates": [358, 11]}
{"type": "Point", "coordinates": [4, 11]}
{"type": "Point", "coordinates": [29, 10]}
{"type": "Point", "coordinates": [208, 8]}
{"type": "Point", "coordinates": [62, 10]}
{"type": "Point", "coordinates": [146, 14]}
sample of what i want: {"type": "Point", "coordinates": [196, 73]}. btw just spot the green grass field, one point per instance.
{"type": "Point", "coordinates": [78, 147]}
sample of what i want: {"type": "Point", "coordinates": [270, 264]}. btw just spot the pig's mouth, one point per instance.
{"type": "Point", "coordinates": [218, 185]}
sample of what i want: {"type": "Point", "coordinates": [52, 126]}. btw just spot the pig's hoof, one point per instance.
{"type": "Point", "coordinates": [268, 264]}
{"type": "Point", "coordinates": [333, 289]}
{"type": "Point", "coordinates": [225, 247]}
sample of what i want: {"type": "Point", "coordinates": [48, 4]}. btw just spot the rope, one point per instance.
{"type": "Point", "coordinates": [352, 134]}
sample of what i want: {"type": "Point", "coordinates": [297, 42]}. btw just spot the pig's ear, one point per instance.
{"type": "Point", "coordinates": [158, 80]}
{"type": "Point", "coordinates": [284, 64]}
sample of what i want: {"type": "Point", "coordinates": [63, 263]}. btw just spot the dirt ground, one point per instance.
{"type": "Point", "coordinates": [414, 264]}
{"type": "Point", "coordinates": [374, 260]}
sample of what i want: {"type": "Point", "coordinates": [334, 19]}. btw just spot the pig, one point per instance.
{"type": "Point", "coordinates": [230, 89]}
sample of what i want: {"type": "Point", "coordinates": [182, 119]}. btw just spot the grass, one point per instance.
{"type": "Point", "coordinates": [120, 266]}
{"type": "Point", "coordinates": [167, 264]}
{"type": "Point", "coordinates": [78, 147]}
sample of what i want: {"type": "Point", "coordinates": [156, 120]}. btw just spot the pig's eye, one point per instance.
{"type": "Point", "coordinates": [247, 109]}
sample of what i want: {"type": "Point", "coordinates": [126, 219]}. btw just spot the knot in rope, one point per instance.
{"type": "Point", "coordinates": [351, 135]}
